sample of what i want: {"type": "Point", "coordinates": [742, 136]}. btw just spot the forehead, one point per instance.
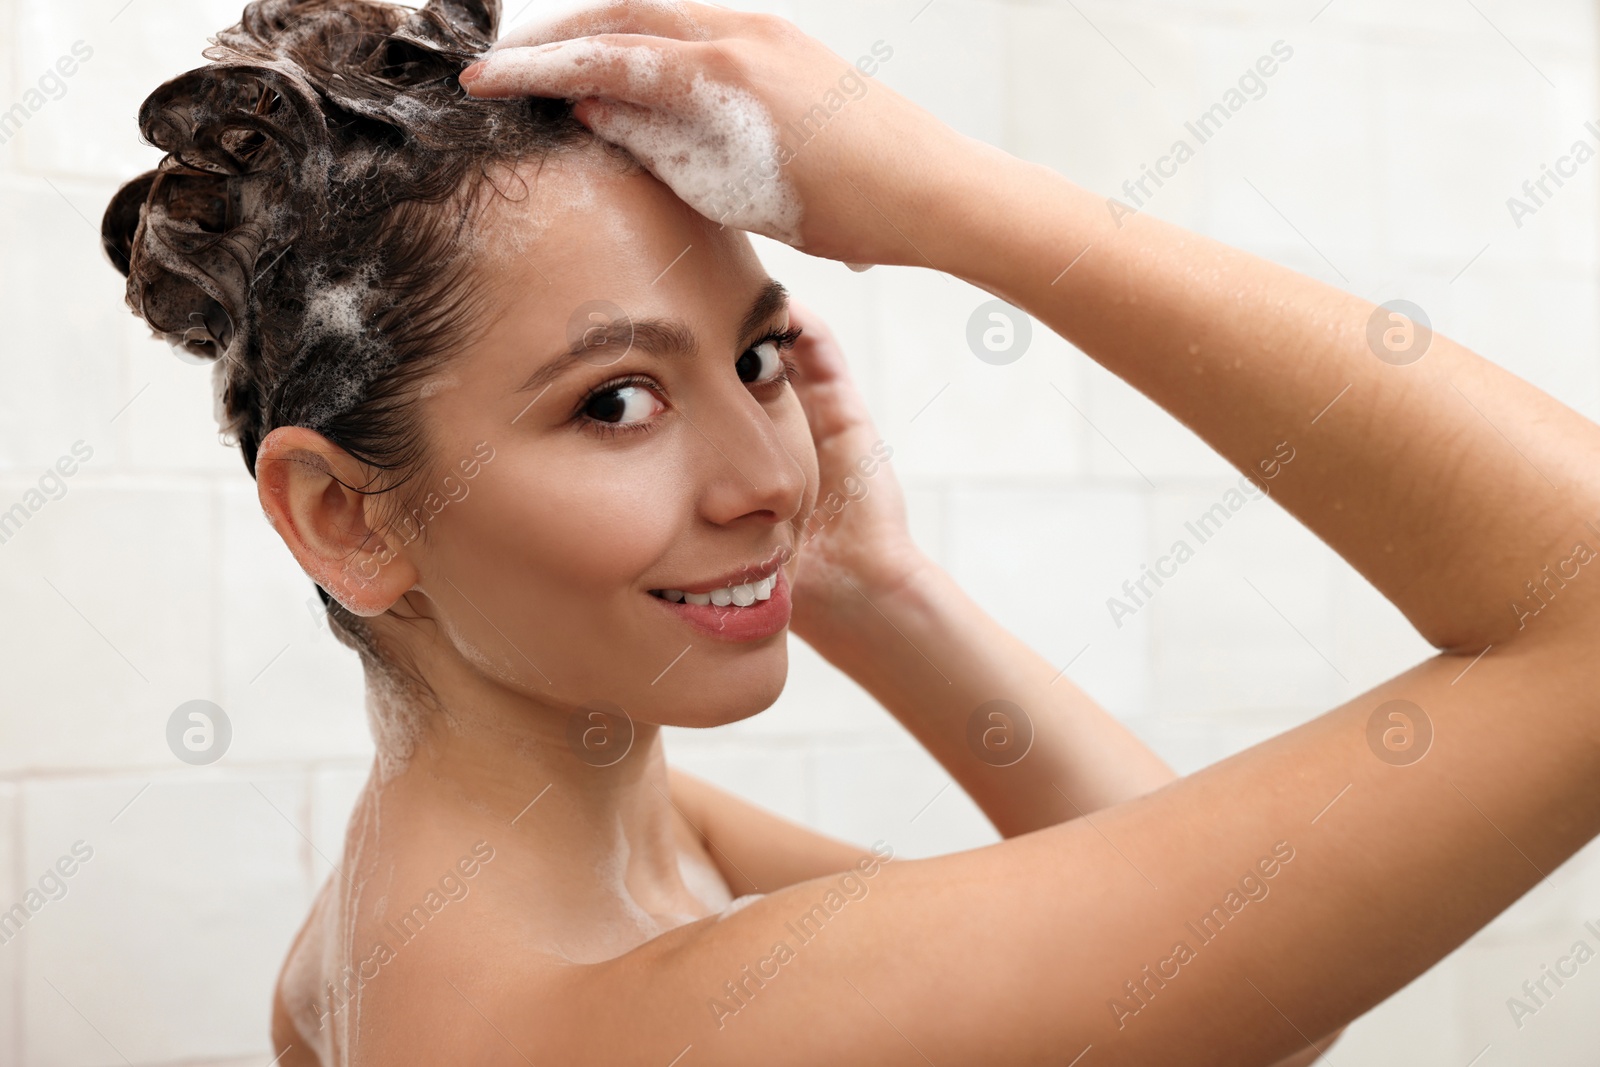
{"type": "Point", "coordinates": [586, 225]}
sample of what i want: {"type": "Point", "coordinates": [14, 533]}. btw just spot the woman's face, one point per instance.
{"type": "Point", "coordinates": [621, 427]}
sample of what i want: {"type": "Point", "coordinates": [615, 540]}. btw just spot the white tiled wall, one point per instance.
{"type": "Point", "coordinates": [1379, 159]}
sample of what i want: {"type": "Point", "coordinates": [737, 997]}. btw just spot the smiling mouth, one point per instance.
{"type": "Point", "coordinates": [759, 581]}
{"type": "Point", "coordinates": [742, 595]}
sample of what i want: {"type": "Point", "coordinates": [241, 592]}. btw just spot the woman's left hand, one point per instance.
{"type": "Point", "coordinates": [855, 545]}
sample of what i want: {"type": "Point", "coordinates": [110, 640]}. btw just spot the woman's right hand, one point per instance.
{"type": "Point", "coordinates": [839, 165]}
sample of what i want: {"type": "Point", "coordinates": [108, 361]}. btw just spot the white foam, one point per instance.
{"type": "Point", "coordinates": [703, 140]}
{"type": "Point", "coordinates": [396, 718]}
{"type": "Point", "coordinates": [481, 659]}
{"type": "Point", "coordinates": [336, 307]}
{"type": "Point", "coordinates": [219, 392]}
{"type": "Point", "coordinates": [538, 192]}
{"type": "Point", "coordinates": [337, 310]}
{"type": "Point", "coordinates": [737, 903]}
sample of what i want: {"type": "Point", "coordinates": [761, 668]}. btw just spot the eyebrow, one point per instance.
{"type": "Point", "coordinates": [658, 337]}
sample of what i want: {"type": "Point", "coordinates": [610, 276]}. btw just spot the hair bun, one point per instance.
{"type": "Point", "coordinates": [310, 111]}
{"type": "Point", "coordinates": [478, 22]}
{"type": "Point", "coordinates": [302, 230]}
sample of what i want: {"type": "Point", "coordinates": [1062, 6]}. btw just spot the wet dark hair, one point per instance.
{"type": "Point", "coordinates": [304, 229]}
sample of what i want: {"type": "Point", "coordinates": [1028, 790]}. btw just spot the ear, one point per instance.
{"type": "Point", "coordinates": [301, 480]}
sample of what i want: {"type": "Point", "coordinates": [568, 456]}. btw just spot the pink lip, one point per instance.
{"type": "Point", "coordinates": [760, 620]}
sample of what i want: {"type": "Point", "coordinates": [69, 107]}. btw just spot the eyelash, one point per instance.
{"type": "Point", "coordinates": [784, 339]}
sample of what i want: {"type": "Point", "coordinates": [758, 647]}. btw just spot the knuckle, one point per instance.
{"type": "Point", "coordinates": [722, 61]}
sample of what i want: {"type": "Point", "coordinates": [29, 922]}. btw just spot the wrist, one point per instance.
{"type": "Point", "coordinates": [910, 588]}
{"type": "Point", "coordinates": [864, 612]}
{"type": "Point", "coordinates": [985, 238]}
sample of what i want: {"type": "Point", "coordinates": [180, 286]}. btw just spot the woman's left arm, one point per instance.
{"type": "Point", "coordinates": [933, 657]}
{"type": "Point", "coordinates": [878, 609]}
{"type": "Point", "coordinates": [939, 664]}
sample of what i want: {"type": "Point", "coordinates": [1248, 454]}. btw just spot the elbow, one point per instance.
{"type": "Point", "coordinates": [1306, 1057]}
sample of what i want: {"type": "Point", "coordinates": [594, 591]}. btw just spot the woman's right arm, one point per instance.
{"type": "Point", "coordinates": [1227, 918]}
{"type": "Point", "coordinates": [1459, 490]}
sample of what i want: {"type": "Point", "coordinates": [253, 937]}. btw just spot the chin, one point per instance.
{"type": "Point", "coordinates": [717, 696]}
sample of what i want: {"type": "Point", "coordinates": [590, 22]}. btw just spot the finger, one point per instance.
{"type": "Point", "coordinates": [817, 351]}
{"type": "Point", "coordinates": [699, 152]}
{"type": "Point", "coordinates": [618, 122]}
{"type": "Point", "coordinates": [648, 134]}
{"type": "Point", "coordinates": [635, 68]}
{"type": "Point", "coordinates": [834, 407]}
{"type": "Point", "coordinates": [658, 18]}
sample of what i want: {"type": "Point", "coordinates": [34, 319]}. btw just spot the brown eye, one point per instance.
{"type": "Point", "coordinates": [622, 405]}
{"type": "Point", "coordinates": [761, 363]}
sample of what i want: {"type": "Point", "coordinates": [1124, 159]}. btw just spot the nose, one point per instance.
{"type": "Point", "coordinates": [746, 468]}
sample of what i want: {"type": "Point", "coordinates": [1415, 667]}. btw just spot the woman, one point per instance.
{"type": "Point", "coordinates": [521, 411]}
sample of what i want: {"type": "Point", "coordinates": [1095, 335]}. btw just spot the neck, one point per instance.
{"type": "Point", "coordinates": [564, 789]}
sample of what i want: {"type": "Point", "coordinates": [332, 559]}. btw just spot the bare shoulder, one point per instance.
{"type": "Point", "coordinates": [481, 969]}
{"type": "Point", "coordinates": [287, 1044]}
{"type": "Point", "coordinates": [296, 1037]}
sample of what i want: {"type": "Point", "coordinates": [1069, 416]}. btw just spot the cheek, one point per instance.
{"type": "Point", "coordinates": [536, 572]}
{"type": "Point", "coordinates": [588, 525]}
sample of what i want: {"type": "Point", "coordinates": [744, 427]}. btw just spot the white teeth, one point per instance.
{"type": "Point", "coordinates": [739, 595]}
